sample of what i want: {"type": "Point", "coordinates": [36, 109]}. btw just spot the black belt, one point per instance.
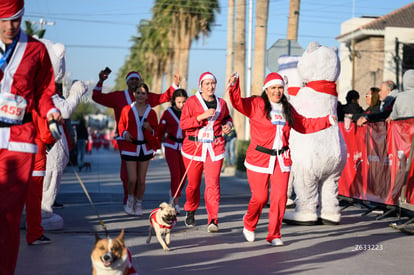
{"type": "Point", "coordinates": [26, 118]}
{"type": "Point", "coordinates": [193, 138]}
{"type": "Point", "coordinates": [138, 142]}
{"type": "Point", "coordinates": [173, 138]}
{"type": "Point", "coordinates": [273, 152]}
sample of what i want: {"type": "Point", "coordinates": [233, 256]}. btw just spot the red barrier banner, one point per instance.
{"type": "Point", "coordinates": [376, 162]}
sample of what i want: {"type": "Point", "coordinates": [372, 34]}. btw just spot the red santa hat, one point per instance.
{"type": "Point", "coordinates": [132, 74]}
{"type": "Point", "coordinates": [273, 79]}
{"type": "Point", "coordinates": [11, 9]}
{"type": "Point", "coordinates": [204, 76]}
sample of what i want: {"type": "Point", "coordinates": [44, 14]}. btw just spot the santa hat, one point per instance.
{"type": "Point", "coordinates": [273, 79]}
{"type": "Point", "coordinates": [204, 76]}
{"type": "Point", "coordinates": [132, 74]}
{"type": "Point", "coordinates": [11, 9]}
{"type": "Point", "coordinates": [57, 57]}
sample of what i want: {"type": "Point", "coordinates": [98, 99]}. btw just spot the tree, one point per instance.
{"type": "Point", "coordinates": [32, 31]}
{"type": "Point", "coordinates": [259, 67]}
{"type": "Point", "coordinates": [240, 62]}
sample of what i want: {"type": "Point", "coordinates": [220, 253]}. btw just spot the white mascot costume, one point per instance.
{"type": "Point", "coordinates": [318, 158]}
{"type": "Point", "coordinates": [58, 155]}
{"type": "Point", "coordinates": [288, 69]}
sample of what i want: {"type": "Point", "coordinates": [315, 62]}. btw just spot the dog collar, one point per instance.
{"type": "Point", "coordinates": [153, 218]}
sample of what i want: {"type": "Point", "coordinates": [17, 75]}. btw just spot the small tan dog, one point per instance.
{"type": "Point", "coordinates": [111, 257]}
{"type": "Point", "coordinates": [162, 220]}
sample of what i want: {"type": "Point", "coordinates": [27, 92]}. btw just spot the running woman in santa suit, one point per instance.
{"type": "Point", "coordinates": [170, 125]}
{"type": "Point", "coordinates": [26, 84]}
{"type": "Point", "coordinates": [138, 126]}
{"type": "Point", "coordinates": [268, 155]}
{"type": "Point", "coordinates": [119, 99]}
{"type": "Point", "coordinates": [204, 119]}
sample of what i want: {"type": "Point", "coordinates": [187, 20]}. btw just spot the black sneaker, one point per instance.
{"type": "Point", "coordinates": [42, 240]}
{"type": "Point", "coordinates": [189, 219]}
{"type": "Point", "coordinates": [57, 205]}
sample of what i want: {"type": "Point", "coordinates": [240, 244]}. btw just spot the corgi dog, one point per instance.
{"type": "Point", "coordinates": [111, 257]}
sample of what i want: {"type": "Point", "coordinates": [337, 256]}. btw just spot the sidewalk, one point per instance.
{"type": "Point", "coordinates": [308, 250]}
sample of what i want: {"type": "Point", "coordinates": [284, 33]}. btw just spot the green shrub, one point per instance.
{"type": "Point", "coordinates": [241, 148]}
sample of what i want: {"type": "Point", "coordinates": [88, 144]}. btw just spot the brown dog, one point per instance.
{"type": "Point", "coordinates": [110, 256]}
{"type": "Point", "coordinates": [162, 220]}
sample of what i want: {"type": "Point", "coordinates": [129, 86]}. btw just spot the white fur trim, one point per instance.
{"type": "Point", "coordinates": [273, 82]}
{"type": "Point", "coordinates": [18, 14]}
{"type": "Point", "coordinates": [131, 76]}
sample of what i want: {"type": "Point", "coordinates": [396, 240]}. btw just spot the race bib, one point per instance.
{"type": "Point", "coordinates": [206, 135]}
{"type": "Point", "coordinates": [277, 118]}
{"type": "Point", "coordinates": [12, 108]}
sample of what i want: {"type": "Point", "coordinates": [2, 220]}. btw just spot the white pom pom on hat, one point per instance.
{"type": "Point", "coordinates": [57, 53]}
{"type": "Point", "coordinates": [204, 76]}
{"type": "Point", "coordinates": [273, 79]}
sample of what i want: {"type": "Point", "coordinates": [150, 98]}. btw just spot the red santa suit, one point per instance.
{"type": "Point", "coordinates": [118, 100]}
{"type": "Point", "coordinates": [203, 147]}
{"type": "Point", "coordinates": [34, 229]}
{"type": "Point", "coordinates": [170, 125]}
{"type": "Point", "coordinates": [26, 83]}
{"type": "Point", "coordinates": [268, 156]}
{"type": "Point", "coordinates": [145, 140]}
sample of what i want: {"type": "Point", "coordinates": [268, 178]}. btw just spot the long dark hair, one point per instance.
{"type": "Point", "coordinates": [287, 108]}
{"type": "Point", "coordinates": [178, 93]}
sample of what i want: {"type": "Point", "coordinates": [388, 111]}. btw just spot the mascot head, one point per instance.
{"type": "Point", "coordinates": [319, 63]}
{"type": "Point", "coordinates": [57, 56]}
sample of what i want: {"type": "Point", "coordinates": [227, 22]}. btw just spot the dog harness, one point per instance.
{"type": "Point", "coordinates": [153, 218]}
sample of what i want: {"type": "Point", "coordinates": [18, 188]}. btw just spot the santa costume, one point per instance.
{"type": "Point", "coordinates": [26, 83]}
{"type": "Point", "coordinates": [203, 150]}
{"type": "Point", "coordinates": [118, 100]}
{"type": "Point", "coordinates": [268, 155]}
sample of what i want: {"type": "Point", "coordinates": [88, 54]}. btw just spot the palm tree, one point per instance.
{"type": "Point", "coordinates": [188, 19]}
{"type": "Point", "coordinates": [262, 10]}
{"type": "Point", "coordinates": [240, 61]}
{"type": "Point", "coordinates": [230, 45]}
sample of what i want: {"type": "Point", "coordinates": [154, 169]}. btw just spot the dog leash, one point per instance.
{"type": "Point", "coordinates": [101, 222]}
{"type": "Point", "coordinates": [185, 173]}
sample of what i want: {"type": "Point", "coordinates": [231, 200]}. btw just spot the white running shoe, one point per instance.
{"type": "Point", "coordinates": [138, 209]}
{"type": "Point", "coordinates": [248, 235]}
{"type": "Point", "coordinates": [129, 207]}
{"type": "Point", "coordinates": [275, 242]}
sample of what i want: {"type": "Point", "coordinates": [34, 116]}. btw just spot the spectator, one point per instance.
{"type": "Point", "coordinates": [404, 103]}
{"type": "Point", "coordinates": [352, 106]}
{"type": "Point", "coordinates": [387, 94]}
{"type": "Point", "coordinates": [81, 137]}
{"type": "Point", "coordinates": [230, 154]}
{"type": "Point", "coordinates": [373, 102]}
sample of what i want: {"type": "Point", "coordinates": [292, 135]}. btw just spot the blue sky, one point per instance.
{"type": "Point", "coordinates": [97, 33]}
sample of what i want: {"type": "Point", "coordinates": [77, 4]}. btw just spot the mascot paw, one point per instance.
{"type": "Point", "coordinates": [296, 218]}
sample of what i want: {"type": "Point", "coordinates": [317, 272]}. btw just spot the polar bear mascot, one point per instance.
{"type": "Point", "coordinates": [288, 69]}
{"type": "Point", "coordinates": [58, 155]}
{"type": "Point", "coordinates": [318, 158]}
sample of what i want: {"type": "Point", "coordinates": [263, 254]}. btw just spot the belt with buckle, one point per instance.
{"type": "Point", "coordinates": [273, 152]}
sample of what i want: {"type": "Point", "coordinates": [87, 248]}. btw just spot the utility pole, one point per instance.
{"type": "Point", "coordinates": [43, 22]}
{"type": "Point", "coordinates": [293, 20]}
